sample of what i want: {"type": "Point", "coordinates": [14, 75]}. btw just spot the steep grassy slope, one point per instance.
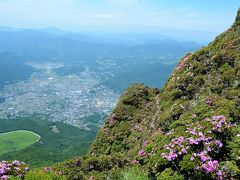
{"type": "Point", "coordinates": [189, 130]}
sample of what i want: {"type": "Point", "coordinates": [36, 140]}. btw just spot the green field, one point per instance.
{"type": "Point", "coordinates": [58, 141]}
{"type": "Point", "coordinates": [17, 140]}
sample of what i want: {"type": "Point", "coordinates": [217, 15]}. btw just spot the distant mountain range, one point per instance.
{"type": "Point", "coordinates": [111, 38]}
{"type": "Point", "coordinates": [55, 41]}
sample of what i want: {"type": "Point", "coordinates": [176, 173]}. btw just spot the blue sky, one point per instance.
{"type": "Point", "coordinates": [120, 15]}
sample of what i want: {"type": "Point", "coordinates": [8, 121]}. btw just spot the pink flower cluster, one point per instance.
{"type": "Point", "coordinates": [210, 166]}
{"type": "Point", "coordinates": [47, 169]}
{"type": "Point", "coordinates": [220, 123]}
{"type": "Point", "coordinates": [203, 155]}
{"type": "Point", "coordinates": [145, 143]}
{"type": "Point", "coordinates": [138, 128]}
{"type": "Point", "coordinates": [141, 153]}
{"type": "Point", "coordinates": [176, 148]}
{"type": "Point", "coordinates": [12, 169]}
{"type": "Point", "coordinates": [199, 143]}
{"type": "Point", "coordinates": [210, 102]}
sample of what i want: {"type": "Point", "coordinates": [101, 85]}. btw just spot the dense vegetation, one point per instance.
{"type": "Point", "coordinates": [189, 130]}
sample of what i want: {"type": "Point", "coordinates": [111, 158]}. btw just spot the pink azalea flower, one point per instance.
{"type": "Point", "coordinates": [172, 156]}
{"type": "Point", "coordinates": [219, 173]}
{"type": "Point", "coordinates": [47, 169]}
{"type": "Point", "coordinates": [184, 151]}
{"type": "Point", "coordinates": [218, 143]}
{"type": "Point", "coordinates": [141, 153]}
{"type": "Point", "coordinates": [145, 143]}
{"type": "Point", "coordinates": [210, 166]}
{"type": "Point", "coordinates": [4, 177]}
{"type": "Point", "coordinates": [191, 140]}
{"type": "Point", "coordinates": [200, 134]}
{"type": "Point", "coordinates": [208, 101]}
{"type": "Point", "coordinates": [209, 149]}
{"type": "Point", "coordinates": [164, 155]}
{"type": "Point", "coordinates": [203, 158]}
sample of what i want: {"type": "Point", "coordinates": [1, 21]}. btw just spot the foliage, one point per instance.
{"type": "Point", "coordinates": [168, 174]}
{"type": "Point", "coordinates": [44, 174]}
{"type": "Point", "coordinates": [134, 173]}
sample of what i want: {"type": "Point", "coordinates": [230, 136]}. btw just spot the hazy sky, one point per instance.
{"type": "Point", "coordinates": [120, 15]}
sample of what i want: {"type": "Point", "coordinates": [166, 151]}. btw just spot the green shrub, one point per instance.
{"type": "Point", "coordinates": [169, 174]}
{"type": "Point", "coordinates": [134, 173]}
